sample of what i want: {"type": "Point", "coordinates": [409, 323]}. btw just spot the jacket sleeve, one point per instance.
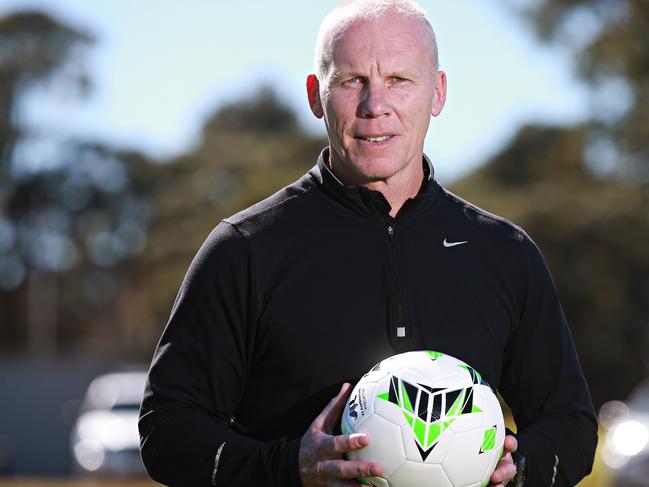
{"type": "Point", "coordinates": [543, 384]}
{"type": "Point", "coordinates": [198, 375]}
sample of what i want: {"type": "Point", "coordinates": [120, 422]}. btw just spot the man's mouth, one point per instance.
{"type": "Point", "coordinates": [379, 138]}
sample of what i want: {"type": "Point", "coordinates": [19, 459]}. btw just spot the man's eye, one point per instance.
{"type": "Point", "coordinates": [353, 81]}
{"type": "Point", "coordinates": [399, 79]}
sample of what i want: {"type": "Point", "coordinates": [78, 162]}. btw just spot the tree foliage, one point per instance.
{"type": "Point", "coordinates": [69, 222]}
{"type": "Point", "coordinates": [250, 148]}
{"type": "Point", "coordinates": [581, 192]}
{"type": "Point", "coordinates": [95, 241]}
{"type": "Point", "coordinates": [35, 49]}
{"type": "Point", "coordinates": [609, 39]}
{"type": "Point", "coordinates": [592, 232]}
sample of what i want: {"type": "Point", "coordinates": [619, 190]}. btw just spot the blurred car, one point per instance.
{"type": "Point", "coordinates": [626, 443]}
{"type": "Point", "coordinates": [105, 437]}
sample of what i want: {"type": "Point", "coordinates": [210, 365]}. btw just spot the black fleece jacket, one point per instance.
{"type": "Point", "coordinates": [307, 289]}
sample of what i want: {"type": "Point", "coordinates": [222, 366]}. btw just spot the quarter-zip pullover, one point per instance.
{"type": "Point", "coordinates": [309, 288]}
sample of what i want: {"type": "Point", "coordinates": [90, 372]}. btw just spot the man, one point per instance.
{"type": "Point", "coordinates": [365, 256]}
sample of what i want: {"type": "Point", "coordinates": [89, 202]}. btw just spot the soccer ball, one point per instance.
{"type": "Point", "coordinates": [431, 419]}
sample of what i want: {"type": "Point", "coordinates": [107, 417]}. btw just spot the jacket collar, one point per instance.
{"type": "Point", "coordinates": [370, 203]}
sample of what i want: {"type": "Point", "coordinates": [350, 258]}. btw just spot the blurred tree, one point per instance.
{"type": "Point", "coordinates": [80, 267]}
{"type": "Point", "coordinates": [594, 235]}
{"type": "Point", "coordinates": [604, 256]}
{"type": "Point", "coordinates": [609, 39]}
{"type": "Point", "coordinates": [249, 149]}
{"type": "Point", "coordinates": [70, 215]}
{"type": "Point", "coordinates": [35, 50]}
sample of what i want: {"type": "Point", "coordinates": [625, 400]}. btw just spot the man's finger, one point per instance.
{"type": "Point", "coordinates": [349, 469]}
{"type": "Point", "coordinates": [335, 446]}
{"type": "Point", "coordinates": [511, 444]}
{"type": "Point", "coordinates": [505, 470]}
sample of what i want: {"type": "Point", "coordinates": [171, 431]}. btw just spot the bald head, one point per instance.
{"type": "Point", "coordinates": [349, 12]}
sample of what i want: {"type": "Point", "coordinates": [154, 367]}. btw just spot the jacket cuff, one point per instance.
{"type": "Point", "coordinates": [293, 462]}
{"type": "Point", "coordinates": [540, 465]}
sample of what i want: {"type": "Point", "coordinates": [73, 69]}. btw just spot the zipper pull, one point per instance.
{"type": "Point", "coordinates": [390, 231]}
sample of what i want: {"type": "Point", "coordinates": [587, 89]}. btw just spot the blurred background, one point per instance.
{"type": "Point", "coordinates": [129, 129]}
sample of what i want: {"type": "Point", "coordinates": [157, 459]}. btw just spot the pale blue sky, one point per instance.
{"type": "Point", "coordinates": [161, 66]}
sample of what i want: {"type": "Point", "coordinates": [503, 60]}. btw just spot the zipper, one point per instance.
{"type": "Point", "coordinates": [398, 329]}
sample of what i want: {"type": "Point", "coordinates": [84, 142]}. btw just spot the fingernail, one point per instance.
{"type": "Point", "coordinates": [359, 438]}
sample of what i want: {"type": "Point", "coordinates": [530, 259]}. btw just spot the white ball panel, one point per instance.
{"type": "Point", "coordinates": [414, 375]}
{"type": "Point", "coordinates": [389, 411]}
{"type": "Point", "coordinates": [488, 402]}
{"type": "Point", "coordinates": [390, 364]}
{"type": "Point", "coordinates": [494, 458]}
{"type": "Point", "coordinates": [359, 407]}
{"type": "Point", "coordinates": [372, 377]}
{"type": "Point", "coordinates": [464, 464]}
{"type": "Point", "coordinates": [385, 447]}
{"type": "Point", "coordinates": [467, 422]}
{"type": "Point", "coordinates": [413, 474]}
{"type": "Point", "coordinates": [436, 455]}
{"type": "Point", "coordinates": [492, 416]}
{"type": "Point", "coordinates": [450, 381]}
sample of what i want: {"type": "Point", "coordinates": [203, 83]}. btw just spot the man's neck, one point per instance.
{"type": "Point", "coordinates": [396, 189]}
{"type": "Point", "coordinates": [397, 192]}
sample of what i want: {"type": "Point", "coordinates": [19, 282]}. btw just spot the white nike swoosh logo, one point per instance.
{"type": "Point", "coordinates": [453, 244]}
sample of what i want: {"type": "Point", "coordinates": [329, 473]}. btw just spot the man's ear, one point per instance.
{"type": "Point", "coordinates": [440, 93]}
{"type": "Point", "coordinates": [313, 93]}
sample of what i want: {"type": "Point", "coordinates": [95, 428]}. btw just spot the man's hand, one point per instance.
{"type": "Point", "coordinates": [505, 470]}
{"type": "Point", "coordinates": [321, 460]}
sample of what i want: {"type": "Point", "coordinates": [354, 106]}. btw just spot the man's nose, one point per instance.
{"type": "Point", "coordinates": [375, 101]}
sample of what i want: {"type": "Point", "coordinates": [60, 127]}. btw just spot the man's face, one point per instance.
{"type": "Point", "coordinates": [377, 99]}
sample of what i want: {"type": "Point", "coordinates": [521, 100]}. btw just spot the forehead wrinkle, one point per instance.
{"type": "Point", "coordinates": [394, 55]}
